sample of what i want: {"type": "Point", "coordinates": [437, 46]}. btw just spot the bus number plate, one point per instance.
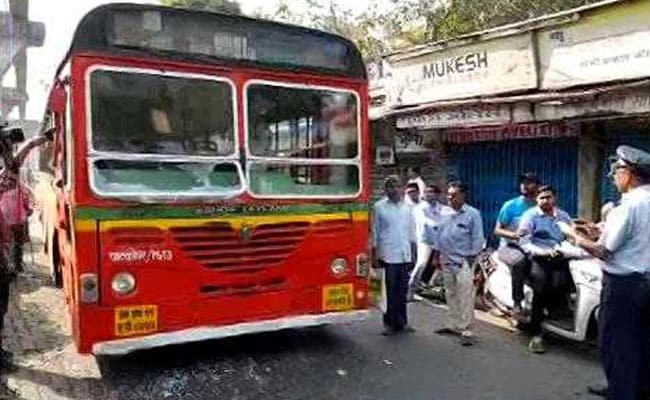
{"type": "Point", "coordinates": [338, 297]}
{"type": "Point", "coordinates": [136, 320]}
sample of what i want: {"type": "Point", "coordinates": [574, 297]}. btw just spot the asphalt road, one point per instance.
{"type": "Point", "coordinates": [355, 362]}
{"type": "Point", "coordinates": [336, 362]}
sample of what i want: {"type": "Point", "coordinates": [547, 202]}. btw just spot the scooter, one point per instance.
{"type": "Point", "coordinates": [580, 321]}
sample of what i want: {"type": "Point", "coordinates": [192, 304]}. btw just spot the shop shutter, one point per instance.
{"type": "Point", "coordinates": [632, 133]}
{"type": "Point", "coordinates": [491, 170]}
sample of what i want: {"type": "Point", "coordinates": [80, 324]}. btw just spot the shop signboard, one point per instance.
{"type": "Point", "coordinates": [410, 141]}
{"type": "Point", "coordinates": [480, 68]}
{"type": "Point", "coordinates": [488, 114]}
{"type": "Point", "coordinates": [609, 45]}
{"type": "Point", "coordinates": [550, 130]}
{"type": "Point", "coordinates": [629, 102]}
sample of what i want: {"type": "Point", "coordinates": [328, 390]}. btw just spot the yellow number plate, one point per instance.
{"type": "Point", "coordinates": [136, 320]}
{"type": "Point", "coordinates": [338, 297]}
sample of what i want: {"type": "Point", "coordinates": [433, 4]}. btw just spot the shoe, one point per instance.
{"type": "Point", "coordinates": [8, 393]}
{"type": "Point", "coordinates": [6, 354]}
{"type": "Point", "coordinates": [7, 365]}
{"type": "Point", "coordinates": [388, 332]}
{"type": "Point", "coordinates": [536, 345]}
{"type": "Point", "coordinates": [599, 389]}
{"type": "Point", "coordinates": [408, 329]}
{"type": "Point", "coordinates": [447, 331]}
{"type": "Point", "coordinates": [467, 339]}
{"type": "Point", "coordinates": [518, 313]}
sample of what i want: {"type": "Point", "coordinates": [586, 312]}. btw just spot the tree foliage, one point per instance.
{"type": "Point", "coordinates": [222, 6]}
{"type": "Point", "coordinates": [425, 21]}
{"type": "Point", "coordinates": [410, 22]}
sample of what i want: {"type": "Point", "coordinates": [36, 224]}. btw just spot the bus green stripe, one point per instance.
{"type": "Point", "coordinates": [151, 212]}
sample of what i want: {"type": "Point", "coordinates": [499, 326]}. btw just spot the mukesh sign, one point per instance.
{"type": "Point", "coordinates": [482, 68]}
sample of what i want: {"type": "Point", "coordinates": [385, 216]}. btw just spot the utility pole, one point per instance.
{"type": "Point", "coordinates": [17, 33]}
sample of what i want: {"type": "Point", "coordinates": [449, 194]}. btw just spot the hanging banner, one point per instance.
{"type": "Point", "coordinates": [483, 68]}
{"type": "Point", "coordinates": [489, 114]}
{"type": "Point", "coordinates": [609, 45]}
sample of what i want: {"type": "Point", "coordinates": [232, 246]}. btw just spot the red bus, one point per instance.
{"type": "Point", "coordinates": [210, 178]}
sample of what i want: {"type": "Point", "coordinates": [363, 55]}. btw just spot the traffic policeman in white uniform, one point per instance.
{"type": "Point", "coordinates": [624, 320]}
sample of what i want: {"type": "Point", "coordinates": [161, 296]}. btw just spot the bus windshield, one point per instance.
{"type": "Point", "coordinates": [303, 141]}
{"type": "Point", "coordinates": [146, 113]}
{"type": "Point", "coordinates": [162, 135]}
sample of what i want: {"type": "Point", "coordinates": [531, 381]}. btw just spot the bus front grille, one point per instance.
{"type": "Point", "coordinates": [219, 245]}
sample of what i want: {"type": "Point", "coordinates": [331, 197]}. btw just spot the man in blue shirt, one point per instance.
{"type": "Point", "coordinates": [541, 238]}
{"type": "Point", "coordinates": [393, 248]}
{"type": "Point", "coordinates": [459, 238]}
{"type": "Point", "coordinates": [506, 229]}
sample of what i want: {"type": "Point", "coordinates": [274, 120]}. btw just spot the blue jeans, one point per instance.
{"type": "Point", "coordinates": [624, 330]}
{"type": "Point", "coordinates": [397, 283]}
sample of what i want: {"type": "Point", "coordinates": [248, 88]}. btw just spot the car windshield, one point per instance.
{"type": "Point", "coordinates": [160, 114]}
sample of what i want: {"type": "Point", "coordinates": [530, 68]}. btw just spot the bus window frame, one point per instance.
{"type": "Point", "coordinates": [97, 155]}
{"type": "Point", "coordinates": [253, 159]}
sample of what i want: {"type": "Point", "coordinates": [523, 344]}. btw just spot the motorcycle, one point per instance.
{"type": "Point", "coordinates": [578, 322]}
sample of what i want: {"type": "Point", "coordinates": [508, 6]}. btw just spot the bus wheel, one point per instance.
{"type": "Point", "coordinates": [55, 264]}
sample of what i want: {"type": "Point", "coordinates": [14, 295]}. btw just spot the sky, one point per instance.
{"type": "Point", "coordinates": [61, 17]}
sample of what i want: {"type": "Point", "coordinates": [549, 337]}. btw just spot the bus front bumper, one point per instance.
{"type": "Point", "coordinates": [124, 346]}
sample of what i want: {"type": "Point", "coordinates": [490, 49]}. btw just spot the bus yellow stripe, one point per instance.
{"type": "Point", "coordinates": [236, 222]}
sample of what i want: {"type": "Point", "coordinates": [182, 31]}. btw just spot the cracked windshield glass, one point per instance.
{"type": "Point", "coordinates": [315, 126]}
{"type": "Point", "coordinates": [137, 113]}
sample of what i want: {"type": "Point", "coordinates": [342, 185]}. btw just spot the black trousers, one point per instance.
{"type": "Point", "coordinates": [519, 272]}
{"type": "Point", "coordinates": [623, 334]}
{"type": "Point", "coordinates": [19, 235]}
{"type": "Point", "coordinates": [4, 304]}
{"type": "Point", "coordinates": [519, 266]}
{"type": "Point", "coordinates": [4, 290]}
{"type": "Point", "coordinates": [549, 280]}
{"type": "Point", "coordinates": [397, 283]}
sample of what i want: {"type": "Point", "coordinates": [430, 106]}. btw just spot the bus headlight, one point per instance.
{"type": "Point", "coordinates": [338, 266]}
{"type": "Point", "coordinates": [123, 283]}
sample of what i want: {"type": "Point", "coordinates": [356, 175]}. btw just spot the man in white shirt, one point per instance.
{"type": "Point", "coordinates": [413, 175]}
{"type": "Point", "coordinates": [393, 248]}
{"type": "Point", "coordinates": [429, 212]}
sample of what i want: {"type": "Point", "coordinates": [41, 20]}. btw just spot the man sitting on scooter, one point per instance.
{"type": "Point", "coordinates": [506, 229]}
{"type": "Point", "coordinates": [541, 238]}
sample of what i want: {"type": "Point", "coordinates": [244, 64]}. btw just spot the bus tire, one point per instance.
{"type": "Point", "coordinates": [55, 263]}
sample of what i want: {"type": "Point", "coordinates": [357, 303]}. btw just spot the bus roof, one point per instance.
{"type": "Point", "coordinates": [205, 37]}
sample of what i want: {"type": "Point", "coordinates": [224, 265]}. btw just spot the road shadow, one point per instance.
{"type": "Point", "coordinates": [36, 323]}
{"type": "Point", "coordinates": [256, 346]}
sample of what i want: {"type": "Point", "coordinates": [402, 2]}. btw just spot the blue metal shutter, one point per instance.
{"type": "Point", "coordinates": [491, 169]}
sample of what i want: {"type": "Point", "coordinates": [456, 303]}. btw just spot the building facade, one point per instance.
{"type": "Point", "coordinates": [553, 95]}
